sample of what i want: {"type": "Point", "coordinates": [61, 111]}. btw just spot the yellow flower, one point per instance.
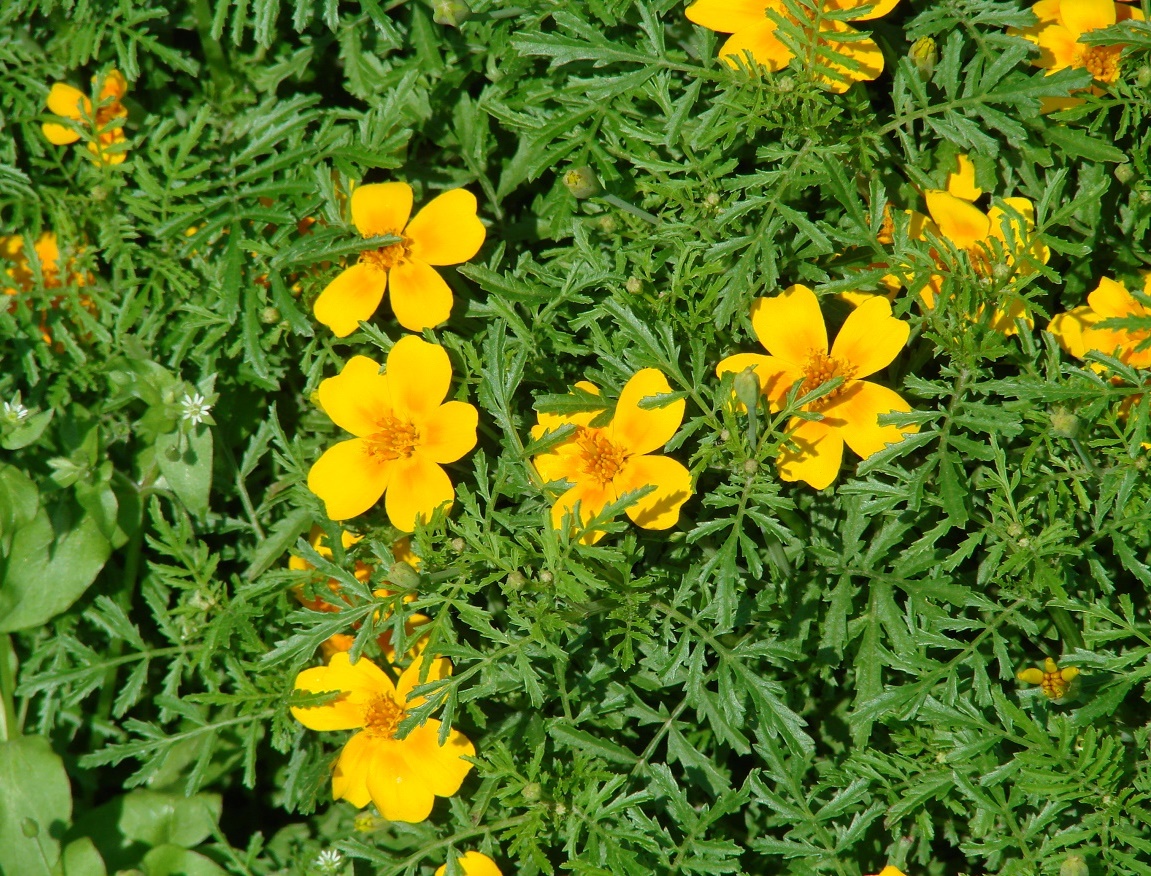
{"type": "Point", "coordinates": [71, 103]}
{"type": "Point", "coordinates": [1054, 681]}
{"type": "Point", "coordinates": [404, 434]}
{"type": "Point", "coordinates": [18, 275]}
{"type": "Point", "coordinates": [987, 239]}
{"type": "Point", "coordinates": [1078, 330]}
{"type": "Point", "coordinates": [890, 871]}
{"type": "Point", "coordinates": [753, 30]}
{"type": "Point", "coordinates": [445, 232]}
{"type": "Point", "coordinates": [402, 777]}
{"type": "Point", "coordinates": [603, 463]}
{"type": "Point", "coordinates": [791, 327]}
{"type": "Point", "coordinates": [1062, 24]}
{"type": "Point", "coordinates": [473, 864]}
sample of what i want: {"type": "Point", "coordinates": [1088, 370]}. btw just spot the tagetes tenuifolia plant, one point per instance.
{"type": "Point", "coordinates": [791, 327]}
{"type": "Point", "coordinates": [602, 463]}
{"type": "Point", "coordinates": [402, 777]}
{"type": "Point", "coordinates": [405, 434]}
{"type": "Point", "coordinates": [105, 139]}
{"type": "Point", "coordinates": [1084, 328]}
{"type": "Point", "coordinates": [1063, 24]}
{"type": "Point", "coordinates": [446, 231]}
{"type": "Point", "coordinates": [473, 864]}
{"type": "Point", "coordinates": [754, 29]}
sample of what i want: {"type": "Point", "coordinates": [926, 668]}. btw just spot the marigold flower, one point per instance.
{"type": "Point", "coordinates": [1061, 26]}
{"type": "Point", "coordinates": [18, 275]}
{"type": "Point", "coordinates": [402, 777]}
{"type": "Point", "coordinates": [753, 30]}
{"type": "Point", "coordinates": [445, 232]}
{"type": "Point", "coordinates": [1078, 330]}
{"type": "Point", "coordinates": [404, 433]}
{"type": "Point", "coordinates": [791, 327]}
{"type": "Point", "coordinates": [890, 871]}
{"type": "Point", "coordinates": [473, 864]}
{"type": "Point", "coordinates": [71, 103]}
{"type": "Point", "coordinates": [1054, 681]}
{"type": "Point", "coordinates": [604, 463]}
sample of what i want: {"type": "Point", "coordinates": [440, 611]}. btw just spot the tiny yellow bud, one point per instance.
{"type": "Point", "coordinates": [924, 56]}
{"type": "Point", "coordinates": [582, 182]}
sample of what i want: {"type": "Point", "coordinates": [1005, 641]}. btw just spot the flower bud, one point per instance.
{"type": "Point", "coordinates": [582, 182]}
{"type": "Point", "coordinates": [785, 84]}
{"type": "Point", "coordinates": [634, 285]}
{"type": "Point", "coordinates": [1143, 76]}
{"type": "Point", "coordinates": [746, 387]}
{"type": "Point", "coordinates": [607, 223]}
{"type": "Point", "coordinates": [516, 580]}
{"type": "Point", "coordinates": [546, 577]}
{"type": "Point", "coordinates": [269, 316]}
{"type": "Point", "coordinates": [712, 200]}
{"type": "Point", "coordinates": [924, 56]}
{"type": "Point", "coordinates": [404, 576]}
{"type": "Point", "coordinates": [1124, 173]}
{"type": "Point", "coordinates": [451, 13]}
{"type": "Point", "coordinates": [750, 467]}
{"type": "Point", "coordinates": [532, 792]}
{"type": "Point", "coordinates": [1064, 423]}
{"type": "Point", "coordinates": [1074, 865]}
{"type": "Point", "coordinates": [458, 545]}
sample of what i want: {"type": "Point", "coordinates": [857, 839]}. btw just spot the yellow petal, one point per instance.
{"type": "Point", "coordinates": [660, 508]}
{"type": "Point", "coordinates": [358, 398]}
{"type": "Point", "coordinates": [114, 86]}
{"type": "Point", "coordinates": [439, 668]}
{"type": "Point", "coordinates": [961, 183]}
{"type": "Point", "coordinates": [350, 777]}
{"type": "Point", "coordinates": [856, 61]}
{"type": "Point", "coordinates": [766, 48]}
{"type": "Point", "coordinates": [890, 871]}
{"type": "Point", "coordinates": [877, 7]}
{"type": "Point", "coordinates": [59, 135]}
{"type": "Point", "coordinates": [855, 414]}
{"type": "Point", "coordinates": [473, 864]}
{"type": "Point", "coordinates": [69, 102]}
{"type": "Point", "coordinates": [1059, 47]}
{"type": "Point", "coordinates": [420, 297]}
{"type": "Point", "coordinates": [1031, 676]}
{"type": "Point", "coordinates": [790, 325]}
{"type": "Point", "coordinates": [1111, 300]}
{"type": "Point", "coordinates": [1070, 328]}
{"type": "Point", "coordinates": [564, 463]}
{"type": "Point", "coordinates": [871, 337]}
{"type": "Point", "coordinates": [449, 432]}
{"type": "Point", "coordinates": [419, 375]}
{"type": "Point", "coordinates": [1084, 16]}
{"type": "Point", "coordinates": [819, 456]}
{"type": "Point", "coordinates": [441, 768]}
{"type": "Point", "coordinates": [381, 208]}
{"type": "Point", "coordinates": [640, 430]}
{"type": "Point", "coordinates": [399, 793]}
{"type": "Point", "coordinates": [446, 231]}
{"type": "Point", "coordinates": [775, 376]}
{"type": "Point", "coordinates": [417, 488]}
{"type": "Point", "coordinates": [592, 498]}
{"type": "Point", "coordinates": [727, 16]}
{"type": "Point", "coordinates": [549, 422]}
{"type": "Point", "coordinates": [350, 298]}
{"type": "Point", "coordinates": [360, 682]}
{"type": "Point", "coordinates": [958, 221]}
{"type": "Point", "coordinates": [349, 479]}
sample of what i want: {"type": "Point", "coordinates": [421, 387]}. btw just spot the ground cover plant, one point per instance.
{"type": "Point", "coordinates": [606, 437]}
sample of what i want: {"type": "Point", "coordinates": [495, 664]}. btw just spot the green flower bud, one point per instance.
{"type": "Point", "coordinates": [546, 577]}
{"type": "Point", "coordinates": [582, 182]}
{"type": "Point", "coordinates": [451, 13]}
{"type": "Point", "coordinates": [516, 580]}
{"type": "Point", "coordinates": [459, 545]}
{"type": "Point", "coordinates": [924, 56]}
{"type": "Point", "coordinates": [1074, 865]}
{"type": "Point", "coordinates": [532, 792]}
{"type": "Point", "coordinates": [1064, 422]}
{"type": "Point", "coordinates": [634, 285]}
{"type": "Point", "coordinates": [269, 316]}
{"type": "Point", "coordinates": [750, 467]}
{"type": "Point", "coordinates": [404, 576]}
{"type": "Point", "coordinates": [1125, 173]}
{"type": "Point", "coordinates": [1143, 76]}
{"type": "Point", "coordinates": [746, 387]}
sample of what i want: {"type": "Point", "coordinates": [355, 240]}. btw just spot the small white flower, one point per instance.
{"type": "Point", "coordinates": [194, 408]}
{"type": "Point", "coordinates": [328, 861]}
{"type": "Point", "coordinates": [15, 413]}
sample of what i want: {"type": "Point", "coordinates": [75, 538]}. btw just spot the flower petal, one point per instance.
{"type": "Point", "coordinates": [417, 488]}
{"type": "Point", "coordinates": [419, 375]}
{"type": "Point", "coordinates": [1070, 329]}
{"type": "Point", "coordinates": [59, 135]}
{"type": "Point", "coordinates": [728, 16]}
{"type": "Point", "coordinates": [961, 182]}
{"type": "Point", "coordinates": [446, 231]}
{"type": "Point", "coordinates": [1084, 16]}
{"type": "Point", "coordinates": [360, 682]}
{"type": "Point", "coordinates": [660, 508]}
{"type": "Point", "coordinates": [1111, 299]}
{"type": "Point", "coordinates": [592, 498]}
{"type": "Point", "coordinates": [871, 337]}
{"type": "Point", "coordinates": [69, 102]}
{"type": "Point", "coordinates": [855, 415]}
{"type": "Point", "coordinates": [775, 376]}
{"type": "Point", "coordinates": [1059, 47]}
{"type": "Point", "coordinates": [819, 456]}
{"type": "Point", "coordinates": [381, 208]}
{"type": "Point", "coordinates": [473, 864]}
{"type": "Point", "coordinates": [766, 48]}
{"type": "Point", "coordinates": [409, 680]}
{"type": "Point", "coordinates": [441, 768]}
{"type": "Point", "coordinates": [564, 463]}
{"type": "Point", "coordinates": [960, 222]}
{"type": "Point", "coordinates": [350, 777]}
{"type": "Point", "coordinates": [349, 479]}
{"type": "Point", "coordinates": [549, 422]}
{"type": "Point", "coordinates": [399, 793]}
{"type": "Point", "coordinates": [639, 430]}
{"type": "Point", "coordinates": [420, 297]}
{"type": "Point", "coordinates": [790, 325]}
{"type": "Point", "coordinates": [357, 398]}
{"type": "Point", "coordinates": [350, 298]}
{"type": "Point", "coordinates": [114, 86]}
{"type": "Point", "coordinates": [878, 7]}
{"type": "Point", "coordinates": [449, 432]}
{"type": "Point", "coordinates": [858, 60]}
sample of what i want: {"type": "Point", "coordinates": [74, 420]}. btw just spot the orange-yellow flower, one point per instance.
{"type": "Point", "coordinates": [1061, 26]}
{"type": "Point", "coordinates": [753, 29]}
{"type": "Point", "coordinates": [1079, 330]}
{"type": "Point", "coordinates": [402, 777]}
{"type": "Point", "coordinates": [445, 232]}
{"type": "Point", "coordinates": [71, 103]}
{"type": "Point", "coordinates": [404, 431]}
{"type": "Point", "coordinates": [991, 242]}
{"type": "Point", "coordinates": [890, 871]}
{"type": "Point", "coordinates": [791, 327]}
{"type": "Point", "coordinates": [1054, 681]}
{"type": "Point", "coordinates": [603, 463]}
{"type": "Point", "coordinates": [18, 275]}
{"type": "Point", "coordinates": [473, 864]}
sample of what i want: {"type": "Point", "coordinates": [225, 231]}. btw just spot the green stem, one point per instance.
{"type": "Point", "coordinates": [630, 208]}
{"type": "Point", "coordinates": [1068, 632]}
{"type": "Point", "coordinates": [9, 727]}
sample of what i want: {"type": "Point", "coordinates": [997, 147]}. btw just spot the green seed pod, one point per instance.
{"type": "Point", "coordinates": [924, 56]}
{"type": "Point", "coordinates": [582, 182]}
{"type": "Point", "coordinates": [451, 13]}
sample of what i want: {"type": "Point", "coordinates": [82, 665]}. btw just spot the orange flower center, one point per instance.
{"type": "Point", "coordinates": [396, 439]}
{"type": "Point", "coordinates": [1054, 685]}
{"type": "Point", "coordinates": [382, 716]}
{"type": "Point", "coordinates": [387, 257]}
{"type": "Point", "coordinates": [602, 459]}
{"type": "Point", "coordinates": [1102, 62]}
{"type": "Point", "coordinates": [821, 368]}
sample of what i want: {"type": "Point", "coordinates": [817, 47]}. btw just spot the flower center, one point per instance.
{"type": "Point", "coordinates": [1102, 62]}
{"type": "Point", "coordinates": [821, 368]}
{"type": "Point", "coordinates": [1054, 685]}
{"type": "Point", "coordinates": [387, 257]}
{"type": "Point", "coordinates": [602, 459]}
{"type": "Point", "coordinates": [396, 439]}
{"type": "Point", "coordinates": [382, 716]}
